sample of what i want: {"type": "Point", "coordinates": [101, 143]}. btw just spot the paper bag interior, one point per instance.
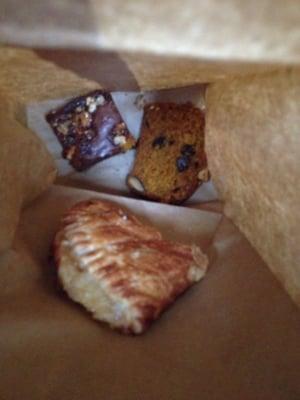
{"type": "Point", "coordinates": [251, 134]}
{"type": "Point", "coordinates": [236, 334]}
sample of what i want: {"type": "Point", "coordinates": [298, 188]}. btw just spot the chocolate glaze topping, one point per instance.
{"type": "Point", "coordinates": [90, 129]}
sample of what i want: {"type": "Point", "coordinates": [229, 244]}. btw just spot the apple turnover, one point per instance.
{"type": "Point", "coordinates": [121, 269]}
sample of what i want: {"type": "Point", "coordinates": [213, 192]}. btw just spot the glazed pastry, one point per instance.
{"type": "Point", "coordinates": [90, 129]}
{"type": "Point", "coordinates": [170, 162]}
{"type": "Point", "coordinates": [120, 269]}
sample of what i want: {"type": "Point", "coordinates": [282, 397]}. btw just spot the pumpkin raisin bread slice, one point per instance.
{"type": "Point", "coordinates": [170, 161]}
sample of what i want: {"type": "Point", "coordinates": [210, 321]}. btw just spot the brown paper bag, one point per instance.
{"type": "Point", "coordinates": [253, 150]}
{"type": "Point", "coordinates": [26, 170]}
{"type": "Point", "coordinates": [236, 334]}
{"type": "Point", "coordinates": [233, 335]}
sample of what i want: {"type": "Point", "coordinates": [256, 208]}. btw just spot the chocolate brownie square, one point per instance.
{"type": "Point", "coordinates": [90, 129]}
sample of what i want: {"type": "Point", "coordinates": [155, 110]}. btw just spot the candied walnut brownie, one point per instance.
{"type": "Point", "coordinates": [90, 129]}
